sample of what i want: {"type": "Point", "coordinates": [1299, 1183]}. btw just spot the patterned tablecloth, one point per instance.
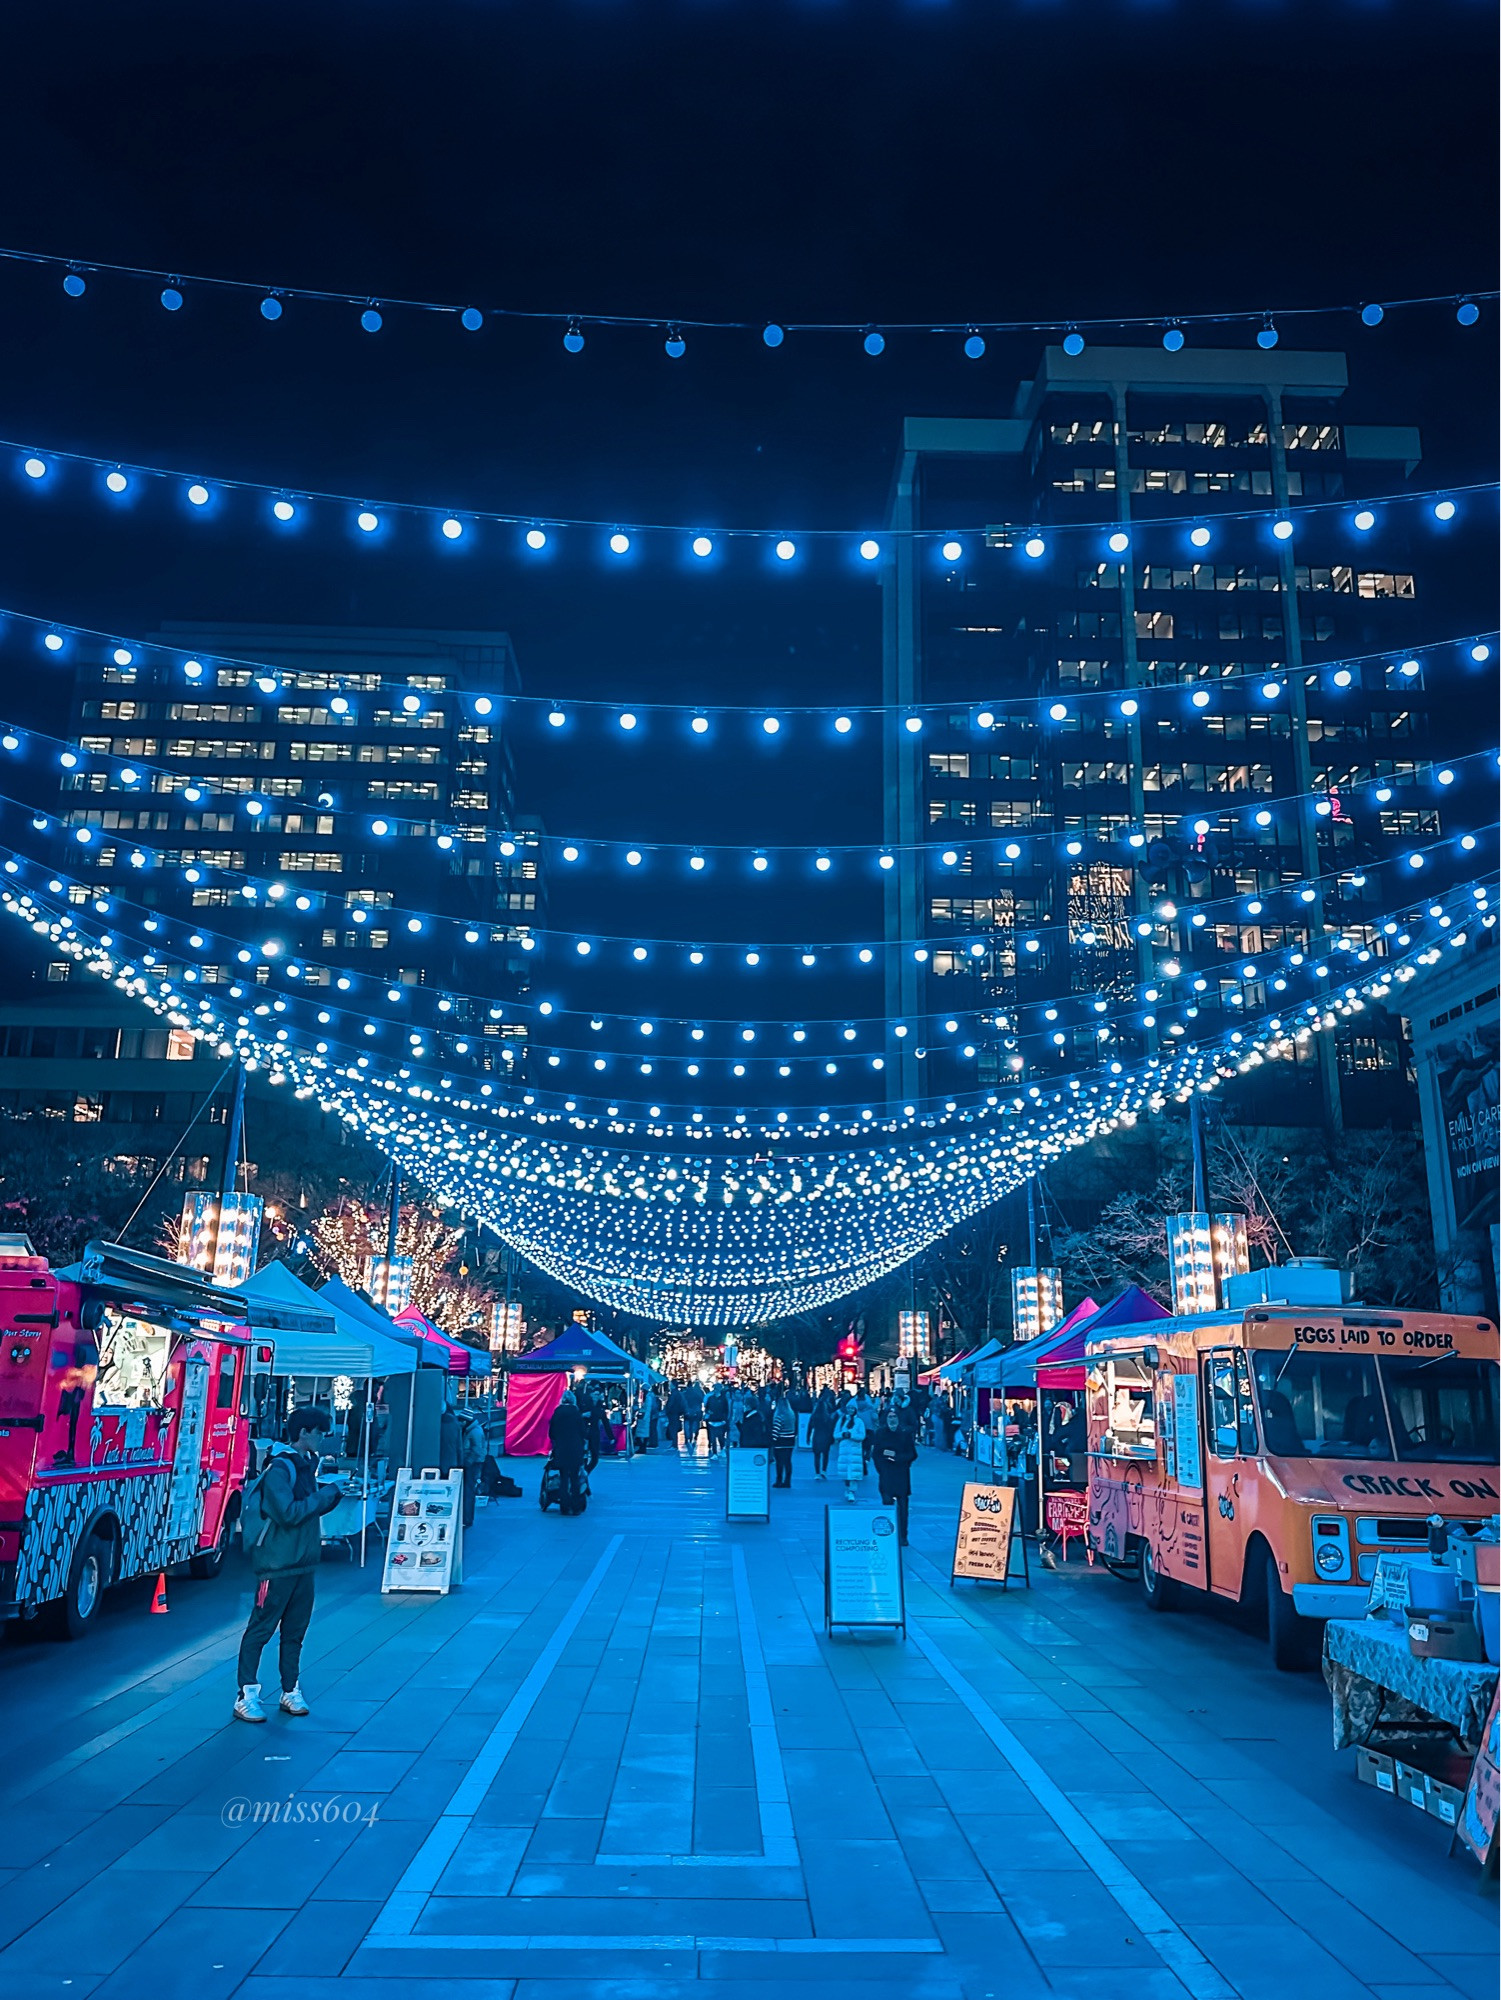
{"type": "Point", "coordinates": [1374, 1677]}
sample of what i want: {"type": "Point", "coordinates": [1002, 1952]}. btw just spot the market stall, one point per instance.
{"type": "Point", "coordinates": [536, 1381]}
{"type": "Point", "coordinates": [467, 1363]}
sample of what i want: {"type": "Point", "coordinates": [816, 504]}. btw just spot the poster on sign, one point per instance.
{"type": "Point", "coordinates": [1477, 1819]}
{"type": "Point", "coordinates": [862, 1568]}
{"type": "Point", "coordinates": [427, 1527]}
{"type": "Point", "coordinates": [747, 1483]}
{"type": "Point", "coordinates": [986, 1535]}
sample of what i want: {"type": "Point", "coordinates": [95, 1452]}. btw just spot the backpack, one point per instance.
{"type": "Point", "coordinates": [255, 1522]}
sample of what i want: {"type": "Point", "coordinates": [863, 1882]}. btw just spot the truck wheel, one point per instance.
{"type": "Point", "coordinates": [1291, 1637]}
{"type": "Point", "coordinates": [1161, 1592]}
{"type": "Point", "coordinates": [88, 1579]}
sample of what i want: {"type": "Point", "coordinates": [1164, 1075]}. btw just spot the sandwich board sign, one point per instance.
{"type": "Point", "coordinates": [427, 1527]}
{"type": "Point", "coordinates": [986, 1536]}
{"type": "Point", "coordinates": [862, 1568]}
{"type": "Point", "coordinates": [747, 1483]}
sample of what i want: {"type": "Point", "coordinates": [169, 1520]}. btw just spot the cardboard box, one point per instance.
{"type": "Point", "coordinates": [1412, 1783]}
{"type": "Point", "coordinates": [1374, 1767]}
{"type": "Point", "coordinates": [1432, 1637]}
{"type": "Point", "coordinates": [1445, 1802]}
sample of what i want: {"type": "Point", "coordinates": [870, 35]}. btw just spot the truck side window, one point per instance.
{"type": "Point", "coordinates": [1245, 1403]}
{"type": "Point", "coordinates": [224, 1398]}
{"type": "Point", "coordinates": [1220, 1394]}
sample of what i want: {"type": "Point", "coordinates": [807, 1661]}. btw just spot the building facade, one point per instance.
{"type": "Point", "coordinates": [1455, 1025]}
{"type": "Point", "coordinates": [1031, 950]}
{"type": "Point", "coordinates": [333, 789]}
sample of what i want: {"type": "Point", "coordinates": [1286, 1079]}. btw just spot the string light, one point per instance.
{"type": "Point", "coordinates": [622, 535]}
{"type": "Point", "coordinates": [721, 1239]}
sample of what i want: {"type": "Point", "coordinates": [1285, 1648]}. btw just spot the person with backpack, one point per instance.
{"type": "Point", "coordinates": [474, 1449]}
{"type": "Point", "coordinates": [284, 1546]}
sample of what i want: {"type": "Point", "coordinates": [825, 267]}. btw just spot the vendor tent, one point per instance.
{"type": "Point", "coordinates": [311, 1336]}
{"type": "Point", "coordinates": [1063, 1367]}
{"type": "Point", "coordinates": [580, 1347]}
{"type": "Point", "coordinates": [343, 1301]}
{"type": "Point", "coordinates": [461, 1360]}
{"type": "Point", "coordinates": [1014, 1368]}
{"type": "Point", "coordinates": [962, 1367]}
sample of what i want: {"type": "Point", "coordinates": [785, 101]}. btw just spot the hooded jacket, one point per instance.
{"type": "Point", "coordinates": [288, 1541]}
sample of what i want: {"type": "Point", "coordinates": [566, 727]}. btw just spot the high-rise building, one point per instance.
{"type": "Point", "coordinates": [327, 789]}
{"type": "Point", "coordinates": [1037, 951]}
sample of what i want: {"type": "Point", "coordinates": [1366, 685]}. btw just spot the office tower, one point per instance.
{"type": "Point", "coordinates": [1174, 678]}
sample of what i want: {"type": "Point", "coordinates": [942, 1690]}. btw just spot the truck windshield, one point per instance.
{"type": "Point", "coordinates": [1320, 1405]}
{"type": "Point", "coordinates": [1442, 1408]}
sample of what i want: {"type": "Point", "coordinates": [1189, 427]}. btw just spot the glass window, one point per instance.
{"type": "Point", "coordinates": [1443, 1407]}
{"type": "Point", "coordinates": [1232, 1413]}
{"type": "Point", "coordinates": [1130, 1408]}
{"type": "Point", "coordinates": [1320, 1405]}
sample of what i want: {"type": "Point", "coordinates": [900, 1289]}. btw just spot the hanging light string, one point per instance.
{"type": "Point", "coordinates": [282, 897]}
{"type": "Point", "coordinates": [62, 924]}
{"type": "Point", "coordinates": [372, 520]}
{"type": "Point", "coordinates": [719, 1239]}
{"type": "Point", "coordinates": [1264, 683]}
{"type": "Point", "coordinates": [175, 290]}
{"type": "Point", "coordinates": [1184, 998]}
{"type": "Point", "coordinates": [1248, 978]}
{"type": "Point", "coordinates": [144, 777]}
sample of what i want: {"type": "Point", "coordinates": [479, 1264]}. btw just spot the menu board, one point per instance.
{"type": "Point", "coordinates": [983, 1540]}
{"type": "Point", "coordinates": [1477, 1818]}
{"type": "Point", "coordinates": [747, 1483]}
{"type": "Point", "coordinates": [1186, 1432]}
{"type": "Point", "coordinates": [427, 1525]}
{"type": "Point", "coordinates": [862, 1567]}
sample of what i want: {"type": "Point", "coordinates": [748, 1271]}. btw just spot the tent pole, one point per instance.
{"type": "Point", "coordinates": [365, 1460]}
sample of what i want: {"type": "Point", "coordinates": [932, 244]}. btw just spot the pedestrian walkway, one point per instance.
{"type": "Point", "coordinates": [625, 1760]}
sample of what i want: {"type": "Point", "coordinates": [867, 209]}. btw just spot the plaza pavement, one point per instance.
{"type": "Point", "coordinates": [624, 1760]}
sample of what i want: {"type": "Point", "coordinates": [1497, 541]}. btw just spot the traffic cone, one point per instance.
{"type": "Point", "coordinates": [159, 1595]}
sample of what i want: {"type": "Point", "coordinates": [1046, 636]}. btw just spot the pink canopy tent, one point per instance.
{"type": "Point", "coordinates": [455, 1354]}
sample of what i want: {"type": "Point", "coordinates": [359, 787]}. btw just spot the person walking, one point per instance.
{"type": "Point", "coordinates": [870, 1416]}
{"type": "Point", "coordinates": [716, 1417]}
{"type": "Point", "coordinates": [821, 1432]}
{"type": "Point", "coordinates": [284, 1546]}
{"type": "Point", "coordinates": [693, 1414]}
{"type": "Point", "coordinates": [893, 1450]}
{"type": "Point", "coordinates": [565, 1435]}
{"type": "Point", "coordinates": [849, 1435]}
{"type": "Point", "coordinates": [474, 1449]}
{"type": "Point", "coordinates": [783, 1436]}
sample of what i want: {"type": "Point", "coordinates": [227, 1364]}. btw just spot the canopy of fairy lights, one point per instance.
{"type": "Point", "coordinates": [700, 1239]}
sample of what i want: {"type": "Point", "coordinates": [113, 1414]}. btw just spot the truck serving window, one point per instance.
{"type": "Point", "coordinates": [1443, 1407]}
{"type": "Point", "coordinates": [1130, 1427]}
{"type": "Point", "coordinates": [1320, 1405]}
{"type": "Point", "coordinates": [133, 1356]}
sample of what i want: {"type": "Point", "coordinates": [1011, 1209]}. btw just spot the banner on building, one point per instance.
{"type": "Point", "coordinates": [1468, 1094]}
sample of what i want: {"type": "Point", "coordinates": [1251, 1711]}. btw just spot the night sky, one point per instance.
{"type": "Point", "coordinates": [855, 161]}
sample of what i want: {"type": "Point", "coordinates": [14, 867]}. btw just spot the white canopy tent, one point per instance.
{"type": "Point", "coordinates": [317, 1337]}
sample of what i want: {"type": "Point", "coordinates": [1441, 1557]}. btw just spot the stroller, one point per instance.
{"type": "Point", "coordinates": [550, 1493]}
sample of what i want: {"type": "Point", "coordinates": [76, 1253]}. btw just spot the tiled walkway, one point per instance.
{"type": "Point", "coordinates": [624, 1760]}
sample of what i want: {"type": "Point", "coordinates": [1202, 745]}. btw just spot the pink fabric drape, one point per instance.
{"type": "Point", "coordinates": [530, 1402]}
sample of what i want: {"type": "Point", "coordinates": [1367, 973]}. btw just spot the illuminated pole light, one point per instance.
{"type": "Point", "coordinates": [1036, 1300]}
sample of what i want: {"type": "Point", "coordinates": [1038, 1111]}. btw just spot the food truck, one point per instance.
{"type": "Point", "coordinates": [1269, 1454]}
{"type": "Point", "coordinates": [123, 1427]}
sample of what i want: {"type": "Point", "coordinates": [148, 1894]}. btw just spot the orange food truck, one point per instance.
{"type": "Point", "coordinates": [1270, 1453]}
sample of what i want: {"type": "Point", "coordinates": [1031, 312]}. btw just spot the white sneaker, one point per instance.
{"type": "Point", "coordinates": [248, 1706]}
{"type": "Point", "coordinates": [292, 1702]}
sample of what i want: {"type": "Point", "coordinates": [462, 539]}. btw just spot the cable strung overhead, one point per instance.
{"type": "Point", "coordinates": [175, 289]}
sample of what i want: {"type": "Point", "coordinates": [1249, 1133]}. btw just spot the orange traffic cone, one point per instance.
{"type": "Point", "coordinates": [159, 1595]}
